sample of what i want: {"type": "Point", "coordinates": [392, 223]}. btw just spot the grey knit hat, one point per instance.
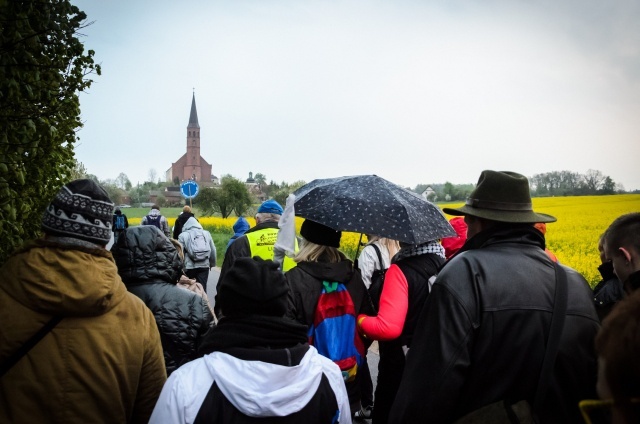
{"type": "Point", "coordinates": [82, 210]}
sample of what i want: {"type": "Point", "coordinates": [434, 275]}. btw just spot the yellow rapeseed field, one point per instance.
{"type": "Point", "coordinates": [581, 221]}
{"type": "Point", "coordinates": [573, 238]}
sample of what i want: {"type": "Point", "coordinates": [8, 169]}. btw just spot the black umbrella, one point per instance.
{"type": "Point", "coordinates": [371, 205]}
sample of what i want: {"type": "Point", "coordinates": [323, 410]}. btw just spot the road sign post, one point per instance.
{"type": "Point", "coordinates": [189, 189]}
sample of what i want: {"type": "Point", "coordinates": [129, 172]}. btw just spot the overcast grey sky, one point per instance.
{"type": "Point", "coordinates": [413, 91]}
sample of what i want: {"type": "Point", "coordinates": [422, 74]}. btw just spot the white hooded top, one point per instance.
{"type": "Point", "coordinates": [255, 388]}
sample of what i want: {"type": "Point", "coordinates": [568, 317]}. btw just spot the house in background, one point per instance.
{"type": "Point", "coordinates": [429, 194]}
{"type": "Point", "coordinates": [254, 188]}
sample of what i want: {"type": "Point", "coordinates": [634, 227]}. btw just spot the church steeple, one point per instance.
{"type": "Point", "coordinates": [193, 117]}
{"type": "Point", "coordinates": [193, 167]}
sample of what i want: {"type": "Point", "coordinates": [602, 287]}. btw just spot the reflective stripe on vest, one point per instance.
{"type": "Point", "coordinates": [261, 244]}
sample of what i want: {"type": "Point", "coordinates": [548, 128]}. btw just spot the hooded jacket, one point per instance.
{"type": "Point", "coordinates": [164, 225]}
{"type": "Point", "coordinates": [246, 389]}
{"type": "Point", "coordinates": [481, 336]}
{"type": "Point", "coordinates": [240, 227]}
{"type": "Point", "coordinates": [453, 244]}
{"type": "Point", "coordinates": [102, 363]}
{"type": "Point", "coordinates": [305, 281]}
{"type": "Point", "coordinates": [180, 221]}
{"type": "Point", "coordinates": [185, 239]}
{"type": "Point", "coordinates": [150, 268]}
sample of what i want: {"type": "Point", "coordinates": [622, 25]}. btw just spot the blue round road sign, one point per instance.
{"type": "Point", "coordinates": [189, 189]}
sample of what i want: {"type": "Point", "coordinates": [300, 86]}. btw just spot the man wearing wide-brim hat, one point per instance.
{"type": "Point", "coordinates": [484, 328]}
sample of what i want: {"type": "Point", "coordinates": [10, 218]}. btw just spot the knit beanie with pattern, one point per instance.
{"type": "Point", "coordinates": [82, 210]}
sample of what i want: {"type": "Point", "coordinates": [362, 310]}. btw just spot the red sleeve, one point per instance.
{"type": "Point", "coordinates": [394, 303]}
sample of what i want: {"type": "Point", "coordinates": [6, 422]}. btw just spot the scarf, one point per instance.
{"type": "Point", "coordinates": [253, 331]}
{"type": "Point", "coordinates": [432, 247]}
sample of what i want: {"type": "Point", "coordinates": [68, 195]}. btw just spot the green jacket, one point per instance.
{"type": "Point", "coordinates": [102, 363]}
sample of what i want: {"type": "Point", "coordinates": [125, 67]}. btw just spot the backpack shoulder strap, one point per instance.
{"type": "Point", "coordinates": [28, 345]}
{"type": "Point", "coordinates": [377, 249]}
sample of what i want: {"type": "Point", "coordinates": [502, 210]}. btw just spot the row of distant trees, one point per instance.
{"type": "Point", "coordinates": [567, 183]}
{"type": "Point", "coordinates": [234, 196]}
{"type": "Point", "coordinates": [555, 183]}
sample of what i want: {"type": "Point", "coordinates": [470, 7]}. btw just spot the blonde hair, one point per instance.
{"type": "Point", "coordinates": [393, 246]}
{"type": "Point", "coordinates": [178, 247]}
{"type": "Point", "coordinates": [186, 208]}
{"type": "Point", "coordinates": [311, 252]}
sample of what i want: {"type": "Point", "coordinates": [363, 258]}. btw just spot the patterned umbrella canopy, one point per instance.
{"type": "Point", "coordinates": [371, 205]}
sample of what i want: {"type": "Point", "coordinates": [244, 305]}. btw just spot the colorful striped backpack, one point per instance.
{"type": "Point", "coordinates": [334, 333]}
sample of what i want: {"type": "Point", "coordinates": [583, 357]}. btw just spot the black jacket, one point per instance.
{"type": "Point", "coordinates": [280, 358]}
{"type": "Point", "coordinates": [180, 221]}
{"type": "Point", "coordinates": [417, 270]}
{"type": "Point", "coordinates": [149, 266]}
{"type": "Point", "coordinates": [608, 291]}
{"type": "Point", "coordinates": [305, 282]}
{"type": "Point", "coordinates": [482, 333]}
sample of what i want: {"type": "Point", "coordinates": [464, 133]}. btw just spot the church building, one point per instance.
{"type": "Point", "coordinates": [191, 166]}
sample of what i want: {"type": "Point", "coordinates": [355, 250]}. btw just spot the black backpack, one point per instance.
{"type": "Point", "coordinates": [377, 280]}
{"type": "Point", "coordinates": [154, 220]}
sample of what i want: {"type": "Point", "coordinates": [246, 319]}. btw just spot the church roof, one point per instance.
{"type": "Point", "coordinates": [193, 117]}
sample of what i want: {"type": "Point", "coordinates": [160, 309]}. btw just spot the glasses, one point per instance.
{"type": "Point", "coordinates": [599, 411]}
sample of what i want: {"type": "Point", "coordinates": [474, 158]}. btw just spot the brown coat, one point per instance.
{"type": "Point", "coordinates": [102, 363]}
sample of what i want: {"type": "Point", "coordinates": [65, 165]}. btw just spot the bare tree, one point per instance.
{"type": "Point", "coordinates": [122, 181]}
{"type": "Point", "coordinates": [593, 180]}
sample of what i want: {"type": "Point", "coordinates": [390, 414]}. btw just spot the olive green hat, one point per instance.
{"type": "Point", "coordinates": [501, 196]}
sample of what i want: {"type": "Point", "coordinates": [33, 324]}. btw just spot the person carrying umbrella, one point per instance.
{"type": "Point", "coordinates": [405, 290]}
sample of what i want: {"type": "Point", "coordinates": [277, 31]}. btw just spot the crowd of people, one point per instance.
{"type": "Point", "coordinates": [486, 326]}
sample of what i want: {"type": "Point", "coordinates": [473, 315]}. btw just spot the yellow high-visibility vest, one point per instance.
{"type": "Point", "coordinates": [261, 244]}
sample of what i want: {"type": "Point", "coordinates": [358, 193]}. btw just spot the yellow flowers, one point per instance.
{"type": "Point", "coordinates": [209, 223]}
{"type": "Point", "coordinates": [581, 222]}
{"type": "Point", "coordinates": [573, 238]}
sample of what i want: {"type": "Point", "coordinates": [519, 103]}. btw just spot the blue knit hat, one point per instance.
{"type": "Point", "coordinates": [270, 206]}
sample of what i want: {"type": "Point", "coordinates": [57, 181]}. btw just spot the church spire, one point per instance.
{"type": "Point", "coordinates": [193, 117]}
